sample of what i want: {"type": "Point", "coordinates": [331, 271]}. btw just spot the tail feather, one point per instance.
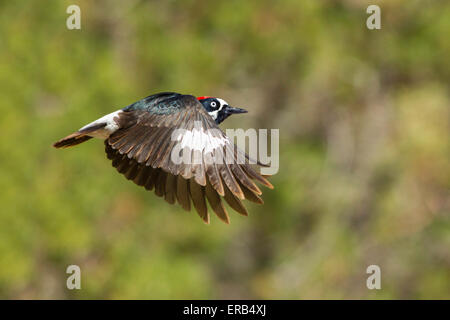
{"type": "Point", "coordinates": [78, 137]}
{"type": "Point", "coordinates": [71, 140]}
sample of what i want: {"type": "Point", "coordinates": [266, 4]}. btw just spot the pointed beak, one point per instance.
{"type": "Point", "coordinates": [231, 110]}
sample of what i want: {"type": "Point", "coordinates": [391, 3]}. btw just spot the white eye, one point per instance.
{"type": "Point", "coordinates": [213, 104]}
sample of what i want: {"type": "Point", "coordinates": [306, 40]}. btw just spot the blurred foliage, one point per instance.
{"type": "Point", "coordinates": [364, 129]}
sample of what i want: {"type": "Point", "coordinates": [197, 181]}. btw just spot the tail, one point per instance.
{"type": "Point", "coordinates": [77, 137]}
{"type": "Point", "coordinates": [71, 140]}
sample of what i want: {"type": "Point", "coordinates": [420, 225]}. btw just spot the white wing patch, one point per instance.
{"type": "Point", "coordinates": [106, 131]}
{"type": "Point", "coordinates": [199, 139]}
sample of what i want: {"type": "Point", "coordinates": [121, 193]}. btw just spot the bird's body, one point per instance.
{"type": "Point", "coordinates": [171, 142]}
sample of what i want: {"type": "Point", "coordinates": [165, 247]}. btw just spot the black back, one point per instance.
{"type": "Point", "coordinates": [161, 103]}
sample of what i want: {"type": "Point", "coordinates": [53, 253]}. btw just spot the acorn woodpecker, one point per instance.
{"type": "Point", "coordinates": [142, 139]}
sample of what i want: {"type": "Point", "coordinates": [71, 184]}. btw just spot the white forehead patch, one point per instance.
{"type": "Point", "coordinates": [222, 103]}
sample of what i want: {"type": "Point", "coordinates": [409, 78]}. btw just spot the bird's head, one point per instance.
{"type": "Point", "coordinates": [218, 109]}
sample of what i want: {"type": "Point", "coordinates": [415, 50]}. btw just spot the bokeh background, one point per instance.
{"type": "Point", "coordinates": [364, 153]}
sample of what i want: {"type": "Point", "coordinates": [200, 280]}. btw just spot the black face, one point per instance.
{"type": "Point", "coordinates": [219, 109]}
{"type": "Point", "coordinates": [211, 104]}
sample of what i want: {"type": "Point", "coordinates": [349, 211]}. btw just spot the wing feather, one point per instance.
{"type": "Point", "coordinates": [234, 202]}
{"type": "Point", "coordinates": [183, 193]}
{"type": "Point", "coordinates": [198, 198]}
{"type": "Point", "coordinates": [142, 176]}
{"type": "Point", "coordinates": [151, 179]}
{"type": "Point", "coordinates": [171, 188]}
{"type": "Point", "coordinates": [251, 196]}
{"type": "Point", "coordinates": [216, 203]}
{"type": "Point", "coordinates": [160, 183]}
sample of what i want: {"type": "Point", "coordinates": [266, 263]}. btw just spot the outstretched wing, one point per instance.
{"type": "Point", "coordinates": [176, 148]}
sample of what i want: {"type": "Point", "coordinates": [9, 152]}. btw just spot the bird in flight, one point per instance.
{"type": "Point", "coordinates": [171, 143]}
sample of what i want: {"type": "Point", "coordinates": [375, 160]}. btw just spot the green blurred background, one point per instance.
{"type": "Point", "coordinates": [364, 153]}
